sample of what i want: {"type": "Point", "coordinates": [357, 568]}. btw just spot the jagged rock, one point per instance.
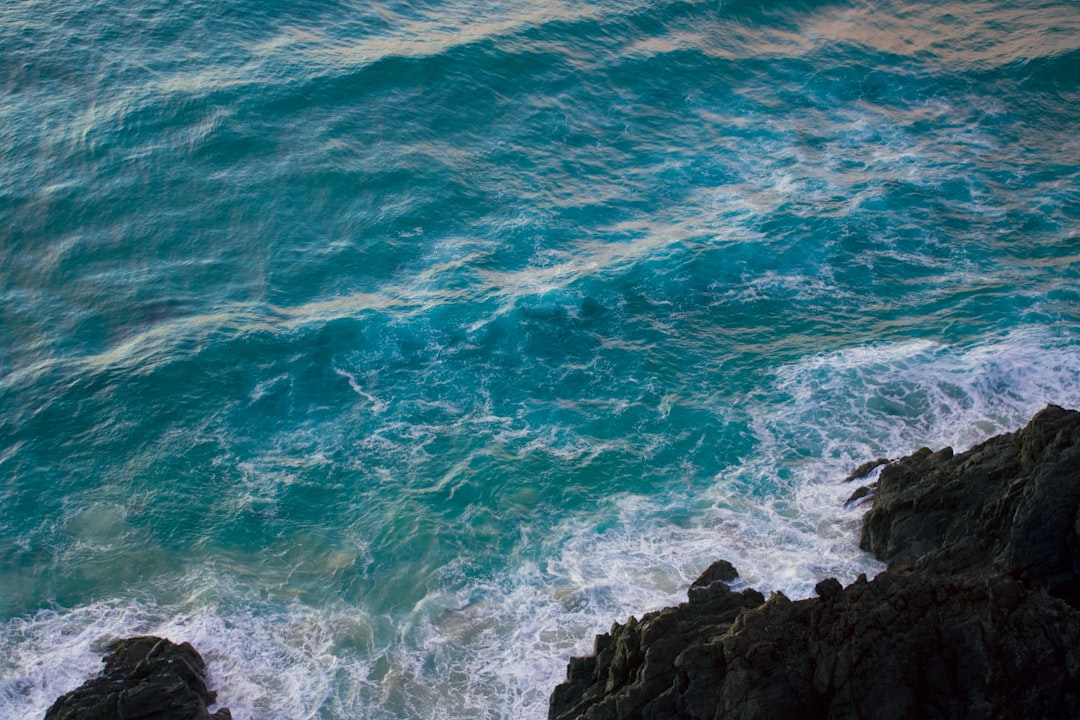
{"type": "Point", "coordinates": [719, 571]}
{"type": "Point", "coordinates": [1009, 504]}
{"type": "Point", "coordinates": [145, 678]}
{"type": "Point", "coordinates": [713, 581]}
{"type": "Point", "coordinates": [633, 671]}
{"type": "Point", "coordinates": [976, 616]}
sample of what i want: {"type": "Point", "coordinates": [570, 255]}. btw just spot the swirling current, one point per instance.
{"type": "Point", "coordinates": [388, 351]}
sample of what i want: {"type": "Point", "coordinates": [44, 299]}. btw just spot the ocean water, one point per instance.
{"type": "Point", "coordinates": [389, 351]}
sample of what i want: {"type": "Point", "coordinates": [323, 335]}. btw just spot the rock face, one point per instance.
{"type": "Point", "coordinates": [1009, 504]}
{"type": "Point", "coordinates": [976, 617]}
{"type": "Point", "coordinates": [145, 678]}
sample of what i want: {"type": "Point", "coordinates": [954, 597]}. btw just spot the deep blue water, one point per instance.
{"type": "Point", "coordinates": [388, 351]}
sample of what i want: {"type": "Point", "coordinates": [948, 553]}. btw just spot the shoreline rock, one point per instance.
{"type": "Point", "coordinates": [145, 678]}
{"type": "Point", "coordinates": [976, 616]}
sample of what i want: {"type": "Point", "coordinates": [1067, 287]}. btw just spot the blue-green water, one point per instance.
{"type": "Point", "coordinates": [389, 351]}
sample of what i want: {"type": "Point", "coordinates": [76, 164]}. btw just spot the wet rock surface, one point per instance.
{"type": "Point", "coordinates": [976, 616]}
{"type": "Point", "coordinates": [145, 678]}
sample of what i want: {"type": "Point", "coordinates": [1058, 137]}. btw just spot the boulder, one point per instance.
{"type": "Point", "coordinates": [144, 678]}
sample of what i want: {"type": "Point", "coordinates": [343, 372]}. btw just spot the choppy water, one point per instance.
{"type": "Point", "coordinates": [388, 351]}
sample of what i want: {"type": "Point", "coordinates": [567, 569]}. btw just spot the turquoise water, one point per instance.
{"type": "Point", "coordinates": [388, 351]}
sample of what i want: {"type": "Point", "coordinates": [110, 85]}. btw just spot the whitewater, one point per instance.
{"type": "Point", "coordinates": [387, 351]}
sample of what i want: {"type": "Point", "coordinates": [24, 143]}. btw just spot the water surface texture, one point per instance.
{"type": "Point", "coordinates": [388, 351]}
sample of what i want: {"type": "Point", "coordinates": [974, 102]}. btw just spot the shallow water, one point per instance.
{"type": "Point", "coordinates": [389, 352]}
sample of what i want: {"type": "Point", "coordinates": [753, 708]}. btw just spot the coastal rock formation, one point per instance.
{"type": "Point", "coordinates": [1008, 505]}
{"type": "Point", "coordinates": [976, 617]}
{"type": "Point", "coordinates": [145, 678]}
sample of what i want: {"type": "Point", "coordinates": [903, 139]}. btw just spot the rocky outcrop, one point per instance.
{"type": "Point", "coordinates": [976, 616]}
{"type": "Point", "coordinates": [145, 678]}
{"type": "Point", "coordinates": [1008, 505]}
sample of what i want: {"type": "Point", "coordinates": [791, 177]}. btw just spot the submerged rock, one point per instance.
{"type": "Point", "coordinates": [976, 616]}
{"type": "Point", "coordinates": [145, 678]}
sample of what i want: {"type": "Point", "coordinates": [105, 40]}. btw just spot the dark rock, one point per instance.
{"type": "Point", "coordinates": [634, 671]}
{"type": "Point", "coordinates": [712, 582]}
{"type": "Point", "coordinates": [1009, 504]}
{"type": "Point", "coordinates": [865, 469]}
{"type": "Point", "coordinates": [829, 587]}
{"type": "Point", "coordinates": [866, 492]}
{"type": "Point", "coordinates": [719, 571]}
{"type": "Point", "coordinates": [975, 618]}
{"type": "Point", "coordinates": [145, 678]}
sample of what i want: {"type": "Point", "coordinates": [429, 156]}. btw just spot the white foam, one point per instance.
{"type": "Point", "coordinates": [889, 399]}
{"type": "Point", "coordinates": [378, 405]}
{"type": "Point", "coordinates": [265, 386]}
